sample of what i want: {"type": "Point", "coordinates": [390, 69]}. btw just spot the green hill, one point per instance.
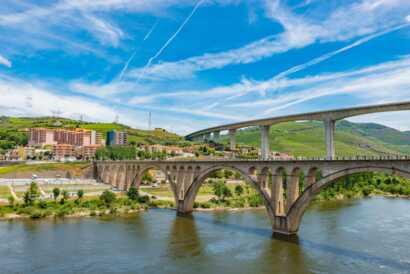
{"type": "Point", "coordinates": [307, 139]}
{"type": "Point", "coordinates": [13, 125]}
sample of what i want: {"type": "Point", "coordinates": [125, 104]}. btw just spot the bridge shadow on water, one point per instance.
{"type": "Point", "coordinates": [302, 242]}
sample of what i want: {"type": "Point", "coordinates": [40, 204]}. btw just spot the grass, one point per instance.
{"type": "Point", "coordinates": [74, 168]}
{"type": "Point", "coordinates": [4, 192]}
{"type": "Point", "coordinates": [139, 136]}
{"type": "Point", "coordinates": [307, 139]}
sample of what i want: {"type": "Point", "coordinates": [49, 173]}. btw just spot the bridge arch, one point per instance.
{"type": "Point", "coordinates": [136, 181]}
{"type": "Point", "coordinates": [297, 209]}
{"type": "Point", "coordinates": [198, 181]}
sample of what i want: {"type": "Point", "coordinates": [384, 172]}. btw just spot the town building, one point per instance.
{"type": "Point", "coordinates": [79, 143]}
{"type": "Point", "coordinates": [41, 137]}
{"type": "Point", "coordinates": [75, 137]}
{"type": "Point", "coordinates": [116, 138]}
{"type": "Point", "coordinates": [63, 151]}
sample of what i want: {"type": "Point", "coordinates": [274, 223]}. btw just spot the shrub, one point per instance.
{"type": "Point", "coordinates": [107, 197]}
{"type": "Point", "coordinates": [63, 211]}
{"type": "Point", "coordinates": [11, 200]}
{"type": "Point", "coordinates": [56, 193]}
{"type": "Point", "coordinates": [143, 199]}
{"type": "Point", "coordinates": [132, 193]}
{"type": "Point", "coordinates": [221, 190]}
{"type": "Point", "coordinates": [239, 190]}
{"type": "Point", "coordinates": [255, 200]}
{"type": "Point", "coordinates": [238, 203]}
{"type": "Point", "coordinates": [42, 204]}
{"type": "Point", "coordinates": [36, 214]}
{"type": "Point", "coordinates": [205, 205]}
{"type": "Point", "coordinates": [80, 194]}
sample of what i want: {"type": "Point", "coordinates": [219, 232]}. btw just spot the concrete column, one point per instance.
{"type": "Point", "coordinates": [265, 142]}
{"type": "Point", "coordinates": [180, 184]}
{"type": "Point", "coordinates": [232, 140]}
{"type": "Point", "coordinates": [277, 195]}
{"type": "Point", "coordinates": [215, 136]}
{"type": "Point", "coordinates": [292, 191]}
{"type": "Point", "coordinates": [329, 136]}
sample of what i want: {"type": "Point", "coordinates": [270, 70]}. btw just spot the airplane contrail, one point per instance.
{"type": "Point", "coordinates": [169, 41]}
{"type": "Point", "coordinates": [124, 69]}
{"type": "Point", "coordinates": [327, 56]}
{"type": "Point", "coordinates": [150, 31]}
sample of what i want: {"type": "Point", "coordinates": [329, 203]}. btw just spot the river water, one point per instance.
{"type": "Point", "coordinates": [360, 236]}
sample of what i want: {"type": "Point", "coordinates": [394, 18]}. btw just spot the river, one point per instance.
{"type": "Point", "coordinates": [359, 236]}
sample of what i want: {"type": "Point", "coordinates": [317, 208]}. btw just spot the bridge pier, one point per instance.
{"type": "Point", "coordinates": [265, 142]}
{"type": "Point", "coordinates": [329, 136]}
{"type": "Point", "coordinates": [216, 136]}
{"type": "Point", "coordinates": [232, 139]}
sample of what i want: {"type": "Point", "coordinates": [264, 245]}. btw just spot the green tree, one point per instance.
{"type": "Point", "coordinates": [238, 190]}
{"type": "Point", "coordinates": [65, 196]}
{"type": "Point", "coordinates": [56, 193]}
{"type": "Point", "coordinates": [11, 200]}
{"type": "Point", "coordinates": [132, 193]}
{"type": "Point", "coordinates": [221, 190]}
{"type": "Point", "coordinates": [108, 197]}
{"type": "Point", "coordinates": [31, 194]}
{"type": "Point", "coordinates": [80, 194]}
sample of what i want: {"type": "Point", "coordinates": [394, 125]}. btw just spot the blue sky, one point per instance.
{"type": "Point", "coordinates": [196, 64]}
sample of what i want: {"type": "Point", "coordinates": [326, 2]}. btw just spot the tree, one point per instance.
{"type": "Point", "coordinates": [238, 190]}
{"type": "Point", "coordinates": [221, 190]}
{"type": "Point", "coordinates": [133, 193]}
{"type": "Point", "coordinates": [11, 200]}
{"type": "Point", "coordinates": [31, 194]}
{"type": "Point", "coordinates": [80, 194]}
{"type": "Point", "coordinates": [56, 193]}
{"type": "Point", "coordinates": [34, 190]}
{"type": "Point", "coordinates": [65, 196]}
{"type": "Point", "coordinates": [107, 197]}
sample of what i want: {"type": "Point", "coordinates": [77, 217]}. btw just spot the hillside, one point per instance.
{"type": "Point", "coordinates": [16, 126]}
{"type": "Point", "coordinates": [307, 139]}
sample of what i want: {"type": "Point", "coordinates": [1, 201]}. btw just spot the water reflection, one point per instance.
{"type": "Point", "coordinates": [183, 239]}
{"type": "Point", "coordinates": [370, 236]}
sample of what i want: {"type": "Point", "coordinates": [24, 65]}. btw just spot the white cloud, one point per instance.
{"type": "Point", "coordinates": [4, 61]}
{"type": "Point", "coordinates": [344, 23]}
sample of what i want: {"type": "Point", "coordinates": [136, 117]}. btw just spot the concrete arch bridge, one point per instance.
{"type": "Point", "coordinates": [284, 200]}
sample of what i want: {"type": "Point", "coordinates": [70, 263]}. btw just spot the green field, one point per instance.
{"type": "Point", "coordinates": [307, 139]}
{"type": "Point", "coordinates": [19, 124]}
{"type": "Point", "coordinates": [74, 168]}
{"type": "Point", "coordinates": [205, 192]}
{"type": "Point", "coordinates": [4, 192]}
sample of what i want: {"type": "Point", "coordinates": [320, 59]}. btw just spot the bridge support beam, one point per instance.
{"type": "Point", "coordinates": [329, 136]}
{"type": "Point", "coordinates": [232, 139]}
{"type": "Point", "coordinates": [292, 191]}
{"type": "Point", "coordinates": [215, 136]}
{"type": "Point", "coordinates": [277, 195]}
{"type": "Point", "coordinates": [265, 142]}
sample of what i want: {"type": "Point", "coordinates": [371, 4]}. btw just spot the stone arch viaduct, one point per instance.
{"type": "Point", "coordinates": [276, 181]}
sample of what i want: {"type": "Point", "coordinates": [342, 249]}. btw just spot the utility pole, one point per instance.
{"type": "Point", "coordinates": [149, 120]}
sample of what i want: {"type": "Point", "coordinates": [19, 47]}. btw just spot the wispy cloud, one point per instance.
{"type": "Point", "coordinates": [124, 69]}
{"type": "Point", "coordinates": [4, 61]}
{"type": "Point", "coordinates": [344, 23]}
{"type": "Point", "coordinates": [169, 41]}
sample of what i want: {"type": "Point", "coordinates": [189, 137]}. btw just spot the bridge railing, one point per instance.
{"type": "Point", "coordinates": [298, 158]}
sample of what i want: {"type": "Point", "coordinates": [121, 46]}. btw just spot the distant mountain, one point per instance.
{"type": "Point", "coordinates": [307, 139]}
{"type": "Point", "coordinates": [11, 124]}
